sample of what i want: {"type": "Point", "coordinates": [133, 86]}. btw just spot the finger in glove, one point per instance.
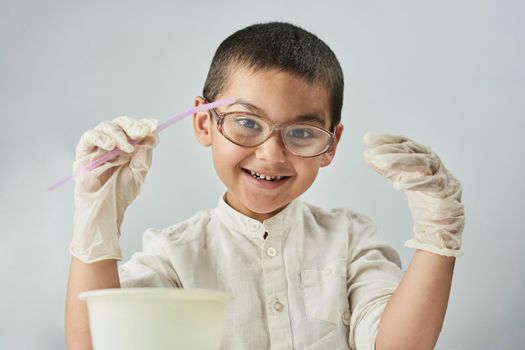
{"type": "Point", "coordinates": [433, 183]}
{"type": "Point", "coordinates": [373, 139]}
{"type": "Point", "coordinates": [136, 129]}
{"type": "Point", "coordinates": [114, 131]}
{"type": "Point", "coordinates": [404, 147]}
{"type": "Point", "coordinates": [394, 163]}
{"type": "Point", "coordinates": [92, 139]}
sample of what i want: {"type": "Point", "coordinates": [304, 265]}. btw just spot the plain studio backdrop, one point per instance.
{"type": "Point", "coordinates": [449, 74]}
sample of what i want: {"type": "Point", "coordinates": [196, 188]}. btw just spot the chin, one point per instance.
{"type": "Point", "coordinates": [266, 208]}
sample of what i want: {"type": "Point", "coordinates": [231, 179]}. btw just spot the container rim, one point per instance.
{"type": "Point", "coordinates": [156, 293]}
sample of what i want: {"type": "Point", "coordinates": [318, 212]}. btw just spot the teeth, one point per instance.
{"type": "Point", "coordinates": [264, 177]}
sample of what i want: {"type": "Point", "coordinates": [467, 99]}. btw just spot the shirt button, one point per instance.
{"type": "Point", "coordinates": [346, 317]}
{"type": "Point", "coordinates": [278, 306]}
{"type": "Point", "coordinates": [253, 226]}
{"type": "Point", "coordinates": [271, 252]}
{"type": "Point", "coordinates": [327, 271]}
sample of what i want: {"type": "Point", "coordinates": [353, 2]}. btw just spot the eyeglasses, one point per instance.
{"type": "Point", "coordinates": [250, 130]}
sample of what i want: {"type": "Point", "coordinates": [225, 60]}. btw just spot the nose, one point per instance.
{"type": "Point", "coordinates": [272, 150]}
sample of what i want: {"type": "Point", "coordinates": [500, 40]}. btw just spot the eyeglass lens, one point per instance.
{"type": "Point", "coordinates": [299, 138]}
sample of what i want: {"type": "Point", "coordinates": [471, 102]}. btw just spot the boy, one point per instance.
{"type": "Point", "coordinates": [302, 277]}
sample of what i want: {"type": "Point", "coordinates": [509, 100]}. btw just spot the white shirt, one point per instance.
{"type": "Point", "coordinates": [320, 280]}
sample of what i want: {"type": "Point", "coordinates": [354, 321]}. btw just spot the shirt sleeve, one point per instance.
{"type": "Point", "coordinates": [374, 272]}
{"type": "Point", "coordinates": [151, 267]}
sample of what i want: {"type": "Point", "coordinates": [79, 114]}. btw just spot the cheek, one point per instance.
{"type": "Point", "coordinates": [226, 156]}
{"type": "Point", "coordinates": [308, 169]}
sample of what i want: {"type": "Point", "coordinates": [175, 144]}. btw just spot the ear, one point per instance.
{"type": "Point", "coordinates": [329, 156]}
{"type": "Point", "coordinates": [202, 123]}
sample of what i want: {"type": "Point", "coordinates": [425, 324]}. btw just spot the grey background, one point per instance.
{"type": "Point", "coordinates": [449, 74]}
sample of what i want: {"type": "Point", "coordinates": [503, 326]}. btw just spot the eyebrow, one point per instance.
{"type": "Point", "coordinates": [300, 118]}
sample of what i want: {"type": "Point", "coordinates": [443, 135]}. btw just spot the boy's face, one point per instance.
{"type": "Point", "coordinates": [279, 97]}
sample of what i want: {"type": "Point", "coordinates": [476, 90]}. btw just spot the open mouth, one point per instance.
{"type": "Point", "coordinates": [264, 177]}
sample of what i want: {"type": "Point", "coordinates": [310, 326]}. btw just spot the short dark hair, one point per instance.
{"type": "Point", "coordinates": [282, 46]}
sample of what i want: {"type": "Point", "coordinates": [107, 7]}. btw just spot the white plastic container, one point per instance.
{"type": "Point", "coordinates": [155, 318]}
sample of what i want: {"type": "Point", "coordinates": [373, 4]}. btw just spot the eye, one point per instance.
{"type": "Point", "coordinates": [300, 133]}
{"type": "Point", "coordinates": [247, 122]}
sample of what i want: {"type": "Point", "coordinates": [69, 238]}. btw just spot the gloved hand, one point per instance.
{"type": "Point", "coordinates": [434, 194]}
{"type": "Point", "coordinates": [103, 194]}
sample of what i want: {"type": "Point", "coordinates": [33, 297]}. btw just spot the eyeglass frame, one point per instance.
{"type": "Point", "coordinates": [219, 116]}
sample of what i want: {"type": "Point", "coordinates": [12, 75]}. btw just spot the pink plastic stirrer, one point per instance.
{"type": "Point", "coordinates": [95, 163]}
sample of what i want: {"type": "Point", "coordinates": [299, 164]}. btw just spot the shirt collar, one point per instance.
{"type": "Point", "coordinates": [276, 225]}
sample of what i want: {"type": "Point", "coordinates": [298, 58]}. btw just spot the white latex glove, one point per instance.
{"type": "Point", "coordinates": [103, 194]}
{"type": "Point", "coordinates": [434, 194]}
